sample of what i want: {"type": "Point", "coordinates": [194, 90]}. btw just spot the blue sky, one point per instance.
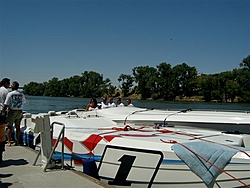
{"type": "Point", "coordinates": [42, 39]}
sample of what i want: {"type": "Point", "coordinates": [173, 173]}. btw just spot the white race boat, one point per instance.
{"type": "Point", "coordinates": [214, 120]}
{"type": "Point", "coordinates": [134, 154]}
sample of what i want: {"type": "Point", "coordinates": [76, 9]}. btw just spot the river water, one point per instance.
{"type": "Point", "coordinates": [40, 104]}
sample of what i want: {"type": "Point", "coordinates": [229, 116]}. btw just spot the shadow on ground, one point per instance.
{"type": "Point", "coordinates": [5, 185]}
{"type": "Point", "coordinates": [15, 162]}
{"type": "Point", "coordinates": [6, 163]}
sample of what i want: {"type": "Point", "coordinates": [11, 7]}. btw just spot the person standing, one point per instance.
{"type": "Point", "coordinates": [14, 103]}
{"type": "Point", "coordinates": [2, 136]}
{"type": "Point", "coordinates": [5, 83]}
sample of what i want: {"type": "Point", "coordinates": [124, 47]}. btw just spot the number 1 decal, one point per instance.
{"type": "Point", "coordinates": [125, 161]}
{"type": "Point", "coordinates": [123, 171]}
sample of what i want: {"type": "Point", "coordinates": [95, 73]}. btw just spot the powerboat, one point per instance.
{"type": "Point", "coordinates": [133, 147]}
{"type": "Point", "coordinates": [237, 122]}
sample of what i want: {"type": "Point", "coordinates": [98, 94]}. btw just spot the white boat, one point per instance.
{"type": "Point", "coordinates": [214, 120]}
{"type": "Point", "coordinates": [151, 156]}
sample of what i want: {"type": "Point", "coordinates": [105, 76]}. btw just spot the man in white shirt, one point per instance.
{"type": "Point", "coordinates": [119, 102]}
{"type": "Point", "coordinates": [129, 102]}
{"type": "Point", "coordinates": [104, 103]}
{"type": "Point", "coordinates": [5, 83]}
{"type": "Point", "coordinates": [14, 101]}
{"type": "Point", "coordinates": [111, 103]}
{"type": "Point", "coordinates": [4, 91]}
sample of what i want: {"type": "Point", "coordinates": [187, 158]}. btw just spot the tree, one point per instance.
{"type": "Point", "coordinates": [111, 89]}
{"type": "Point", "coordinates": [64, 87]}
{"type": "Point", "coordinates": [75, 86]}
{"type": "Point", "coordinates": [243, 79]}
{"type": "Point", "coordinates": [165, 80]}
{"type": "Point", "coordinates": [107, 88]}
{"type": "Point", "coordinates": [184, 82]}
{"type": "Point", "coordinates": [225, 79]}
{"type": "Point", "coordinates": [245, 62]}
{"type": "Point", "coordinates": [205, 85]}
{"type": "Point", "coordinates": [34, 88]}
{"type": "Point", "coordinates": [126, 83]}
{"type": "Point", "coordinates": [52, 88]}
{"type": "Point", "coordinates": [232, 88]}
{"type": "Point", "coordinates": [92, 84]}
{"type": "Point", "coordinates": [146, 78]}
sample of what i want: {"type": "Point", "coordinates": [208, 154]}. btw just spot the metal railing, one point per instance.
{"type": "Point", "coordinates": [61, 136]}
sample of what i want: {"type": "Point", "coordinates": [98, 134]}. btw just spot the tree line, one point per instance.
{"type": "Point", "coordinates": [160, 82]}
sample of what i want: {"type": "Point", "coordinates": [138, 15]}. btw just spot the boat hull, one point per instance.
{"type": "Point", "coordinates": [142, 156]}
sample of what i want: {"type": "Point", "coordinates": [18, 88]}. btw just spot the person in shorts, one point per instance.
{"type": "Point", "coordinates": [14, 103]}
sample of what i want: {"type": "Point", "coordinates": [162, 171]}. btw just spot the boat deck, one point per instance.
{"type": "Point", "coordinates": [18, 171]}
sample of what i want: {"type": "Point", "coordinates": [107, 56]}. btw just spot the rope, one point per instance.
{"type": "Point", "coordinates": [197, 138]}
{"type": "Point", "coordinates": [129, 128]}
{"type": "Point", "coordinates": [126, 128]}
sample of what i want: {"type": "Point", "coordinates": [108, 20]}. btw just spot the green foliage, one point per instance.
{"type": "Point", "coordinates": [207, 86]}
{"type": "Point", "coordinates": [245, 62]}
{"type": "Point", "coordinates": [126, 83]}
{"type": "Point", "coordinates": [165, 81]}
{"type": "Point", "coordinates": [90, 84]}
{"type": "Point", "coordinates": [146, 78]}
{"type": "Point", "coordinates": [184, 82]}
{"type": "Point", "coordinates": [162, 82]}
{"type": "Point", "coordinates": [243, 79]}
{"type": "Point", "coordinates": [34, 88]}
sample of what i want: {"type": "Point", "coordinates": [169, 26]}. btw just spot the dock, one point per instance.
{"type": "Point", "coordinates": [18, 171]}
